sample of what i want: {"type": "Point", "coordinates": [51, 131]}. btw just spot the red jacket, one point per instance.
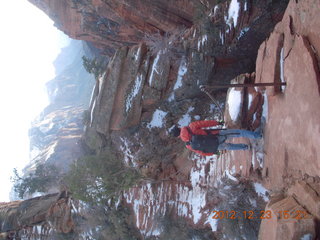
{"type": "Point", "coordinates": [197, 128]}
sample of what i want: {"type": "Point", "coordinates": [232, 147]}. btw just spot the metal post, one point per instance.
{"type": "Point", "coordinates": [219, 85]}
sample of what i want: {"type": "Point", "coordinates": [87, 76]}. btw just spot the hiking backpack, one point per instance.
{"type": "Point", "coordinates": [205, 143]}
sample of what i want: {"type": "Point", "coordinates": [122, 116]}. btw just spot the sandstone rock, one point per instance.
{"type": "Point", "coordinates": [112, 24]}
{"type": "Point", "coordinates": [306, 196]}
{"type": "Point", "coordinates": [293, 227]}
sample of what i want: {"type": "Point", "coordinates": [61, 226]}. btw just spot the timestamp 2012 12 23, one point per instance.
{"type": "Point", "coordinates": [263, 214]}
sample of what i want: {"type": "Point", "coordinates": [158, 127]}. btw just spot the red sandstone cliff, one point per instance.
{"type": "Point", "coordinates": [113, 24]}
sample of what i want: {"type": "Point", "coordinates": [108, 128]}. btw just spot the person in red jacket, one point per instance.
{"type": "Point", "coordinates": [198, 128]}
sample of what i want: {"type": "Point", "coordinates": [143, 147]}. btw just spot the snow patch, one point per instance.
{"type": "Point", "coordinates": [227, 174]}
{"type": "Point", "coordinates": [265, 106]}
{"type": "Point", "coordinates": [243, 32]}
{"type": "Point", "coordinates": [245, 6]}
{"type": "Point", "coordinates": [250, 98]}
{"type": "Point", "coordinates": [222, 37]}
{"type": "Point", "coordinates": [185, 120]}
{"type": "Point", "coordinates": [128, 156]}
{"type": "Point", "coordinates": [92, 111]}
{"type": "Point", "coordinates": [136, 56]}
{"type": "Point", "coordinates": [233, 13]}
{"type": "Point", "coordinates": [157, 119]}
{"type": "Point", "coordinates": [154, 68]}
{"type": "Point", "coordinates": [261, 191]}
{"type": "Point", "coordinates": [134, 92]}
{"type": "Point", "coordinates": [282, 70]}
{"type": "Point", "coordinates": [307, 236]}
{"type": "Point", "coordinates": [213, 222]}
{"type": "Point", "coordinates": [171, 97]}
{"type": "Point", "coordinates": [234, 102]}
{"type": "Point", "coordinates": [181, 72]}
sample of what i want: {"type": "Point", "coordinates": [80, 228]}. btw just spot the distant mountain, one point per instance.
{"type": "Point", "coordinates": [55, 134]}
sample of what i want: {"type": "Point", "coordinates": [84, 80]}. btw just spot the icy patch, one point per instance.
{"type": "Point", "coordinates": [185, 120]}
{"type": "Point", "coordinates": [197, 117]}
{"type": "Point", "coordinates": [233, 13]}
{"type": "Point", "coordinates": [234, 101]}
{"type": "Point", "coordinates": [261, 191]}
{"type": "Point", "coordinates": [134, 92]}
{"type": "Point", "coordinates": [282, 70]}
{"type": "Point", "coordinates": [307, 237]}
{"type": "Point", "coordinates": [157, 119]}
{"type": "Point", "coordinates": [181, 72]}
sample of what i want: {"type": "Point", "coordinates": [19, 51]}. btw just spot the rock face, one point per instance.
{"type": "Point", "coordinates": [291, 54]}
{"type": "Point", "coordinates": [36, 217]}
{"type": "Point", "coordinates": [55, 135]}
{"type": "Point", "coordinates": [116, 23]}
{"type": "Point", "coordinates": [294, 216]}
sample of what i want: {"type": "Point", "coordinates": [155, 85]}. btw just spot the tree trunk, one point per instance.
{"type": "Point", "coordinates": [36, 218]}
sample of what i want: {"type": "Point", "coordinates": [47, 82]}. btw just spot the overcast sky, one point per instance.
{"type": "Point", "coordinates": [29, 44]}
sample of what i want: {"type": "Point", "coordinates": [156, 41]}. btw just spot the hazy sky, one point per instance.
{"type": "Point", "coordinates": [29, 44]}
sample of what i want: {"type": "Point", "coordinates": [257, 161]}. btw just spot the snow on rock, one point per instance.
{"type": "Point", "coordinates": [307, 237]}
{"type": "Point", "coordinates": [261, 191]}
{"type": "Point", "coordinates": [171, 97]}
{"type": "Point", "coordinates": [213, 222]}
{"type": "Point", "coordinates": [202, 41]}
{"type": "Point", "coordinates": [282, 69]}
{"type": "Point", "coordinates": [250, 98]}
{"type": "Point", "coordinates": [221, 37]}
{"type": "Point", "coordinates": [243, 32]}
{"type": "Point", "coordinates": [92, 111]}
{"type": "Point", "coordinates": [154, 68]}
{"type": "Point", "coordinates": [185, 120]}
{"type": "Point", "coordinates": [265, 107]}
{"type": "Point", "coordinates": [134, 92]}
{"type": "Point", "coordinates": [233, 13]}
{"type": "Point", "coordinates": [128, 156]}
{"type": "Point", "coordinates": [234, 103]}
{"type": "Point", "coordinates": [137, 55]}
{"type": "Point", "coordinates": [157, 119]}
{"type": "Point", "coordinates": [181, 72]}
{"type": "Point", "coordinates": [187, 201]}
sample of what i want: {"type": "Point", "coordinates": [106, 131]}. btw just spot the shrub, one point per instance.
{"type": "Point", "coordinates": [41, 180]}
{"type": "Point", "coordinates": [165, 43]}
{"type": "Point", "coordinates": [98, 178]}
{"type": "Point", "coordinates": [94, 66]}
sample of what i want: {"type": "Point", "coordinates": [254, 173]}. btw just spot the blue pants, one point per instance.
{"type": "Point", "coordinates": [231, 133]}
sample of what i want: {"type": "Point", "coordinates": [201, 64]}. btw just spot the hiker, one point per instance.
{"type": "Point", "coordinates": [207, 142]}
